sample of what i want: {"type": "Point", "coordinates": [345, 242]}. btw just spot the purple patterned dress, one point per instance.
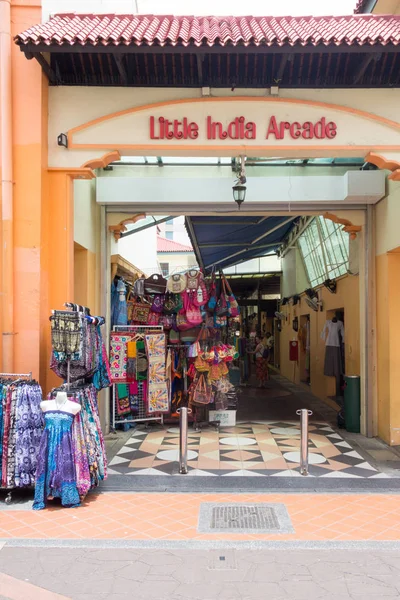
{"type": "Point", "coordinates": [55, 475]}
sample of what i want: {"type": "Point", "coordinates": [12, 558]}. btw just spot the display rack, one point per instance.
{"type": "Point", "coordinates": [141, 416]}
{"type": "Point", "coordinates": [13, 377]}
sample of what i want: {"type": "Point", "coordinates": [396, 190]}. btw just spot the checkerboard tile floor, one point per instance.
{"type": "Point", "coordinates": [252, 449]}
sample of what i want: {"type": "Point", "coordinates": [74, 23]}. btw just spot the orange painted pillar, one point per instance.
{"type": "Point", "coordinates": [58, 248]}
{"type": "Point", "coordinates": [29, 162]}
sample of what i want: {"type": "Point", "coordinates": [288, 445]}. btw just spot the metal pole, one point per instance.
{"type": "Point", "coordinates": [183, 439]}
{"type": "Point", "coordinates": [304, 414]}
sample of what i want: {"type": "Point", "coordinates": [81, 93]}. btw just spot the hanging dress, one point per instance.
{"type": "Point", "coordinates": [55, 475]}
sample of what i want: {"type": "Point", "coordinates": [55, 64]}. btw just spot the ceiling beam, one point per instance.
{"type": "Point", "coordinates": [200, 60]}
{"type": "Point", "coordinates": [251, 245]}
{"type": "Point", "coordinates": [46, 68]}
{"type": "Point", "coordinates": [364, 66]}
{"type": "Point", "coordinates": [235, 245]}
{"type": "Point", "coordinates": [285, 59]}
{"type": "Point", "coordinates": [156, 222]}
{"type": "Point", "coordinates": [229, 49]}
{"type": "Point", "coordinates": [119, 61]}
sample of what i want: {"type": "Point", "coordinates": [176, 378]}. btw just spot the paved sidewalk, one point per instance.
{"type": "Point", "coordinates": [173, 519]}
{"type": "Point", "coordinates": [198, 575]}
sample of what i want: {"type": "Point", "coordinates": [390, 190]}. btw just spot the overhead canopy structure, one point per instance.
{"type": "Point", "coordinates": [226, 241]}
{"type": "Point", "coordinates": [186, 51]}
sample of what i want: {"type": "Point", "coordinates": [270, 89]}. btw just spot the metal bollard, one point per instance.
{"type": "Point", "coordinates": [183, 439]}
{"type": "Point", "coordinates": [304, 414]}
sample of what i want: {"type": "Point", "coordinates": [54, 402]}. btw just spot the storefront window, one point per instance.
{"type": "Point", "coordinates": [325, 250]}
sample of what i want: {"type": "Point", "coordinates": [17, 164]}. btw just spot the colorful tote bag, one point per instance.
{"type": "Point", "coordinates": [176, 283]}
{"type": "Point", "coordinates": [155, 284]}
{"type": "Point", "coordinates": [234, 309]}
{"type": "Point", "coordinates": [139, 312]}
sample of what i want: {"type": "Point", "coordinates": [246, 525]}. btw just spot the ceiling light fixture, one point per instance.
{"type": "Point", "coordinates": [239, 189]}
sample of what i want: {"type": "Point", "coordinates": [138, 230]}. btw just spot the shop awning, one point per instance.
{"type": "Point", "coordinates": [227, 241]}
{"type": "Point", "coordinates": [234, 52]}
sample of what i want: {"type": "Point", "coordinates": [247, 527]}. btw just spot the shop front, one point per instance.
{"type": "Point", "coordinates": [77, 205]}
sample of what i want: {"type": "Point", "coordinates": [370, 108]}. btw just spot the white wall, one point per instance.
{"type": "Point", "coordinates": [178, 261]}
{"type": "Point", "coordinates": [86, 214]}
{"type": "Point", "coordinates": [179, 233]}
{"type": "Point", "coordinates": [140, 249]}
{"type": "Point", "coordinates": [294, 278]}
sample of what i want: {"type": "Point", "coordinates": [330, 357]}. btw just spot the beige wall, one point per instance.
{"type": "Point", "coordinates": [73, 106]}
{"type": "Point", "coordinates": [347, 298]}
{"type": "Point", "coordinates": [387, 232]}
{"type": "Point", "coordinates": [86, 246]}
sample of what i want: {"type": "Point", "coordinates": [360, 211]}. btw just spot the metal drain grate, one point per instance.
{"type": "Point", "coordinates": [237, 516]}
{"type": "Point", "coordinates": [244, 518]}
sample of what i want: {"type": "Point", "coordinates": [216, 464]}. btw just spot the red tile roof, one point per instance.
{"type": "Point", "coordinates": [164, 245]}
{"type": "Point", "coordinates": [158, 30]}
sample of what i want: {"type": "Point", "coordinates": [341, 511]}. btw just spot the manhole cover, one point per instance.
{"type": "Point", "coordinates": [244, 518]}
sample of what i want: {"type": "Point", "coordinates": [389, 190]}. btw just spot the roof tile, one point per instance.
{"type": "Point", "coordinates": [164, 245]}
{"type": "Point", "coordinates": [165, 30]}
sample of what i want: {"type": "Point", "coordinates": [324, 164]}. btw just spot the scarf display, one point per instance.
{"type": "Point", "coordinates": [157, 393]}
{"type": "Point", "coordinates": [76, 338]}
{"type": "Point", "coordinates": [21, 425]}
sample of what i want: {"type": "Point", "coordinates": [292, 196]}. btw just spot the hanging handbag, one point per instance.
{"type": "Point", "coordinates": [212, 294]}
{"type": "Point", "coordinates": [222, 308]}
{"type": "Point", "coordinates": [158, 303]}
{"type": "Point", "coordinates": [172, 303]}
{"type": "Point", "coordinates": [140, 312]}
{"type": "Point", "coordinates": [166, 321]}
{"type": "Point", "coordinates": [176, 283]}
{"type": "Point", "coordinates": [200, 296]}
{"type": "Point", "coordinates": [155, 284]}
{"type": "Point", "coordinates": [193, 279]}
{"type": "Point", "coordinates": [174, 337]}
{"type": "Point", "coordinates": [202, 392]}
{"type": "Point", "coordinates": [153, 318]}
{"type": "Point", "coordinates": [193, 314]}
{"type": "Point", "coordinates": [138, 287]}
{"type": "Point", "coordinates": [234, 309]}
{"type": "Point", "coordinates": [182, 323]}
{"type": "Point", "coordinates": [189, 335]}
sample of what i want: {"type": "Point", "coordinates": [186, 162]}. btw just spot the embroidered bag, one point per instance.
{"type": "Point", "coordinates": [193, 314]}
{"type": "Point", "coordinates": [234, 309]}
{"type": "Point", "coordinates": [200, 297]}
{"type": "Point", "coordinates": [189, 335]}
{"type": "Point", "coordinates": [193, 279]}
{"type": "Point", "coordinates": [174, 337]}
{"type": "Point", "coordinates": [212, 302]}
{"type": "Point", "coordinates": [158, 303]}
{"type": "Point", "coordinates": [172, 303]}
{"type": "Point", "coordinates": [182, 323]}
{"type": "Point", "coordinates": [155, 284]}
{"type": "Point", "coordinates": [222, 309]}
{"type": "Point", "coordinates": [153, 319]}
{"type": "Point", "coordinates": [140, 312]}
{"type": "Point", "coordinates": [166, 321]}
{"type": "Point", "coordinates": [176, 283]}
{"type": "Point", "coordinates": [202, 392]}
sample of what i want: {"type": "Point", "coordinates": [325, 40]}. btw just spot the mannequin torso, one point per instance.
{"type": "Point", "coordinates": [62, 403]}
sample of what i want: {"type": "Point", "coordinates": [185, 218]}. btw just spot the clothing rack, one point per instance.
{"type": "Point", "coordinates": [16, 375]}
{"type": "Point", "coordinates": [13, 377]}
{"type": "Point", "coordinates": [141, 416]}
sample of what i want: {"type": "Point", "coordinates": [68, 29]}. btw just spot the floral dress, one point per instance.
{"type": "Point", "coordinates": [55, 475]}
